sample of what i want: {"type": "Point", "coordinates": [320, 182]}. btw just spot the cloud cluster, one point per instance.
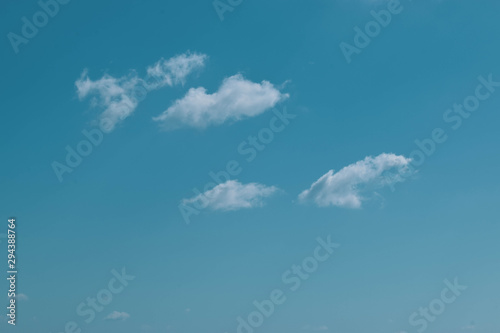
{"type": "Point", "coordinates": [233, 195]}
{"type": "Point", "coordinates": [237, 98]}
{"type": "Point", "coordinates": [118, 96]}
{"type": "Point", "coordinates": [346, 187]}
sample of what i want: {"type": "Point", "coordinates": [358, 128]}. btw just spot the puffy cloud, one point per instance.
{"type": "Point", "coordinates": [345, 188]}
{"type": "Point", "coordinates": [119, 97]}
{"type": "Point", "coordinates": [115, 315]}
{"type": "Point", "coordinates": [236, 99]}
{"type": "Point", "coordinates": [232, 195]}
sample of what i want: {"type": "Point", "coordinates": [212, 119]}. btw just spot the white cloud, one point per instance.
{"type": "Point", "coordinates": [175, 70]}
{"type": "Point", "coordinates": [116, 96]}
{"type": "Point", "coordinates": [345, 188]}
{"type": "Point", "coordinates": [115, 315]}
{"type": "Point", "coordinates": [236, 99]}
{"type": "Point", "coordinates": [470, 327]}
{"type": "Point", "coordinates": [21, 297]}
{"type": "Point", "coordinates": [119, 97]}
{"type": "Point", "coordinates": [233, 195]}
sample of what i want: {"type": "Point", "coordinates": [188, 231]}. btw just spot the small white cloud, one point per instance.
{"type": "Point", "coordinates": [175, 70]}
{"type": "Point", "coordinates": [21, 297]}
{"type": "Point", "coordinates": [236, 99]}
{"type": "Point", "coordinates": [115, 315]}
{"type": "Point", "coordinates": [187, 310]}
{"type": "Point", "coordinates": [232, 195]}
{"type": "Point", "coordinates": [115, 95]}
{"type": "Point", "coordinates": [119, 97]}
{"type": "Point", "coordinates": [345, 188]}
{"type": "Point", "coordinates": [470, 327]}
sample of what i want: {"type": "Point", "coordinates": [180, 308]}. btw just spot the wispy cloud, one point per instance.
{"type": "Point", "coordinates": [470, 327]}
{"type": "Point", "coordinates": [175, 70]}
{"type": "Point", "coordinates": [22, 297]}
{"type": "Point", "coordinates": [115, 95]}
{"type": "Point", "coordinates": [115, 315]}
{"type": "Point", "coordinates": [346, 187]}
{"type": "Point", "coordinates": [232, 195]}
{"type": "Point", "coordinates": [237, 98]}
{"type": "Point", "coordinates": [146, 328]}
{"type": "Point", "coordinates": [119, 97]}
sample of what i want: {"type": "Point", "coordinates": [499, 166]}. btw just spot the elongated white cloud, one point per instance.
{"type": "Point", "coordinates": [236, 99]}
{"type": "Point", "coordinates": [119, 97]}
{"type": "Point", "coordinates": [116, 315]}
{"type": "Point", "coordinates": [346, 187]}
{"type": "Point", "coordinates": [232, 195]}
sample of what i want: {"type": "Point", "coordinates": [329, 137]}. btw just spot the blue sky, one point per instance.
{"type": "Point", "coordinates": [173, 93]}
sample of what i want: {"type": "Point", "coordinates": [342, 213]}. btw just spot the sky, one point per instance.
{"type": "Point", "coordinates": [251, 166]}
